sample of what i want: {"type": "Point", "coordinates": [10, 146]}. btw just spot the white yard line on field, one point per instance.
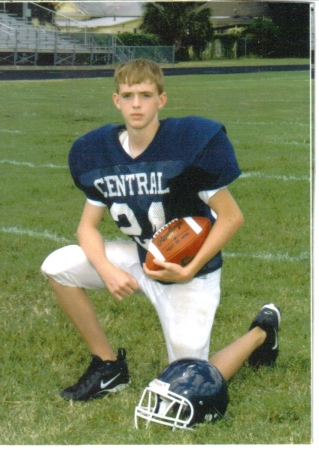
{"type": "Point", "coordinates": [34, 234]}
{"type": "Point", "coordinates": [274, 177]}
{"type": "Point", "coordinates": [242, 122]}
{"type": "Point", "coordinates": [269, 256]}
{"type": "Point", "coordinates": [244, 174]}
{"type": "Point", "coordinates": [3, 130]}
{"type": "Point", "coordinates": [259, 255]}
{"type": "Point", "coordinates": [28, 164]}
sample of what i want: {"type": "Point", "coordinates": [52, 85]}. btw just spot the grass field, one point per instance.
{"type": "Point", "coordinates": [267, 116]}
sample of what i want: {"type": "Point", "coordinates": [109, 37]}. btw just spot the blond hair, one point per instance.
{"type": "Point", "coordinates": [138, 71]}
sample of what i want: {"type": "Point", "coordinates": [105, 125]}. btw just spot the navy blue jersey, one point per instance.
{"type": "Point", "coordinates": [187, 156]}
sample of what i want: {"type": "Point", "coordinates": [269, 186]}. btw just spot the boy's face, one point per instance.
{"type": "Point", "coordinates": [139, 104]}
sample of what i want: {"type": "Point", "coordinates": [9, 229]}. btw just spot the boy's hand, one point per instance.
{"type": "Point", "coordinates": [119, 283]}
{"type": "Point", "coordinates": [170, 272]}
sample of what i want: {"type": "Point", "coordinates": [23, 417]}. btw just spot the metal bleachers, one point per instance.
{"type": "Point", "coordinates": [23, 43]}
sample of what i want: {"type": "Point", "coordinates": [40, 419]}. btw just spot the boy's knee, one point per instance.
{"type": "Point", "coordinates": [56, 266]}
{"type": "Point", "coordinates": [69, 266]}
{"type": "Point", "coordinates": [61, 260]}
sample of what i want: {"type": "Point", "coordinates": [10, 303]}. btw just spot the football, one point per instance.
{"type": "Point", "coordinates": [178, 241]}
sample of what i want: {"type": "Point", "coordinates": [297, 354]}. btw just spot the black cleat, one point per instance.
{"type": "Point", "coordinates": [268, 319]}
{"type": "Point", "coordinates": [100, 379]}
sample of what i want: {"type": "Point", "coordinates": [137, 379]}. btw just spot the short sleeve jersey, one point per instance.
{"type": "Point", "coordinates": [186, 157]}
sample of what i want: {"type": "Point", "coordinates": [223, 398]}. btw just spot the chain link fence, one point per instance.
{"type": "Point", "coordinates": [159, 54]}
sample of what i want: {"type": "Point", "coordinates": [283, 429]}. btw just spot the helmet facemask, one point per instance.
{"type": "Point", "coordinates": [159, 404]}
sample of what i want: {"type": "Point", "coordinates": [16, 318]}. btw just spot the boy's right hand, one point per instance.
{"type": "Point", "coordinates": [119, 283]}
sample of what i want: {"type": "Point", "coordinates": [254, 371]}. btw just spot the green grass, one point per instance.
{"type": "Point", "coordinates": [267, 117]}
{"type": "Point", "coordinates": [243, 61]}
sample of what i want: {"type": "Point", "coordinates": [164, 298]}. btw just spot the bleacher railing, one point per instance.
{"type": "Point", "coordinates": [38, 45]}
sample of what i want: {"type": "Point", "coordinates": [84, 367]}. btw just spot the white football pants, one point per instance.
{"type": "Point", "coordinates": [186, 310]}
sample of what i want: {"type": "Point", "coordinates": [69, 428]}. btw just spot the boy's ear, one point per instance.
{"type": "Point", "coordinates": [163, 100]}
{"type": "Point", "coordinates": [115, 98]}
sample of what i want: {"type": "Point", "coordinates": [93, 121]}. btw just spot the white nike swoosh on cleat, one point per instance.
{"type": "Point", "coordinates": [104, 385]}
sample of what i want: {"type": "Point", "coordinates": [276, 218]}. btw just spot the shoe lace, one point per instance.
{"type": "Point", "coordinates": [90, 371]}
{"type": "Point", "coordinates": [94, 366]}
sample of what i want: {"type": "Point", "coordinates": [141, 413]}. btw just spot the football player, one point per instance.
{"type": "Point", "coordinates": [146, 172]}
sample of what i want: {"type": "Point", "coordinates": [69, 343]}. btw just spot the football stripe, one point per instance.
{"type": "Point", "coordinates": [194, 225]}
{"type": "Point", "coordinates": [155, 252]}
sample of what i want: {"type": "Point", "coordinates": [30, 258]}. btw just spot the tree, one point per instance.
{"type": "Point", "coordinates": [132, 39]}
{"type": "Point", "coordinates": [228, 41]}
{"type": "Point", "coordinates": [264, 36]}
{"type": "Point", "coordinates": [183, 24]}
{"type": "Point", "coordinates": [36, 8]}
{"type": "Point", "coordinates": [44, 15]}
{"type": "Point", "coordinates": [292, 20]}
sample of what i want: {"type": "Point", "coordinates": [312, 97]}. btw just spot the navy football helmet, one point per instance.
{"type": "Point", "coordinates": [189, 391]}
